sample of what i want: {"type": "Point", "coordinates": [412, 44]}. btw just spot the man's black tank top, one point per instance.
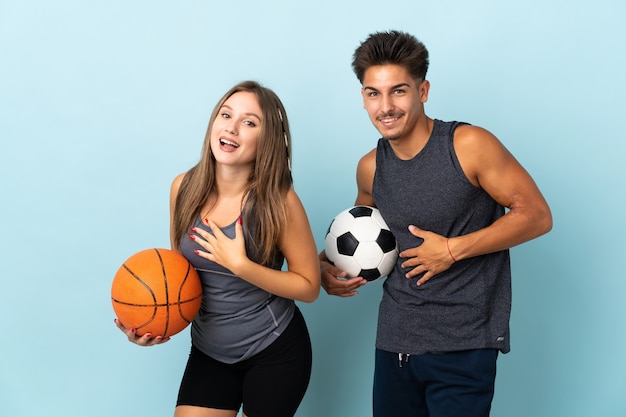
{"type": "Point", "coordinates": [465, 307]}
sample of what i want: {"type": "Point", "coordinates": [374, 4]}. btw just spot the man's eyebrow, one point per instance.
{"type": "Point", "coordinates": [393, 87]}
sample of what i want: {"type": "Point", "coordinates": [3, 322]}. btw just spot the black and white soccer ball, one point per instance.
{"type": "Point", "coordinates": [359, 242]}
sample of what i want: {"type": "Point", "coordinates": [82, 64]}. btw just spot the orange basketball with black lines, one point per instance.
{"type": "Point", "coordinates": [156, 291]}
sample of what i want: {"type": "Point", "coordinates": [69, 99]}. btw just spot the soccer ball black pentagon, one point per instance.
{"type": "Point", "coordinates": [359, 242]}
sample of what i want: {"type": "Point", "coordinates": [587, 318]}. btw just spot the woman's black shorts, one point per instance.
{"type": "Point", "coordinates": [271, 383]}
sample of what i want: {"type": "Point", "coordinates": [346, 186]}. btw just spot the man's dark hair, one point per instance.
{"type": "Point", "coordinates": [392, 47]}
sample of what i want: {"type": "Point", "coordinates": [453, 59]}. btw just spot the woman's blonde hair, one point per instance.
{"type": "Point", "coordinates": [264, 210]}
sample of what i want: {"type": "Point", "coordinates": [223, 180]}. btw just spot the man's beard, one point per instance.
{"type": "Point", "coordinates": [392, 114]}
{"type": "Point", "coordinates": [393, 137]}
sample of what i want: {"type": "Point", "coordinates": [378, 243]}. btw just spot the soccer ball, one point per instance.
{"type": "Point", "coordinates": [360, 243]}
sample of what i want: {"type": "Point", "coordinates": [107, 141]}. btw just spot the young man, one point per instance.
{"type": "Point", "coordinates": [456, 201]}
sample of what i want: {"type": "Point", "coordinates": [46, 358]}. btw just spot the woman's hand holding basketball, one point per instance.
{"type": "Point", "coordinates": [146, 340]}
{"type": "Point", "coordinates": [219, 248]}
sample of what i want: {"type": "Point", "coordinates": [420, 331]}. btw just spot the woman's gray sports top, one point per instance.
{"type": "Point", "coordinates": [236, 319]}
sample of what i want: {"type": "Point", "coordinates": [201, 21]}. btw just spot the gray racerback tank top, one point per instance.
{"type": "Point", "coordinates": [236, 319]}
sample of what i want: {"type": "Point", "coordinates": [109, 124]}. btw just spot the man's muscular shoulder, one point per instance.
{"type": "Point", "coordinates": [477, 149]}
{"type": "Point", "coordinates": [365, 171]}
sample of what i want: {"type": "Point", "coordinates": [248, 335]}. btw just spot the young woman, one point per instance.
{"type": "Point", "coordinates": [236, 217]}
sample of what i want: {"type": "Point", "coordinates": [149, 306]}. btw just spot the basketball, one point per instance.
{"type": "Point", "coordinates": [156, 291]}
{"type": "Point", "coordinates": [359, 242]}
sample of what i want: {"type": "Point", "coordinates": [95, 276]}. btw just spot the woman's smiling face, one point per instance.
{"type": "Point", "coordinates": [236, 130]}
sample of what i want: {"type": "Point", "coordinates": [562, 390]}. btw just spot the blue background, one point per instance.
{"type": "Point", "coordinates": [103, 103]}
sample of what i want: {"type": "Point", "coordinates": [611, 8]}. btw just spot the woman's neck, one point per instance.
{"type": "Point", "coordinates": [231, 181]}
